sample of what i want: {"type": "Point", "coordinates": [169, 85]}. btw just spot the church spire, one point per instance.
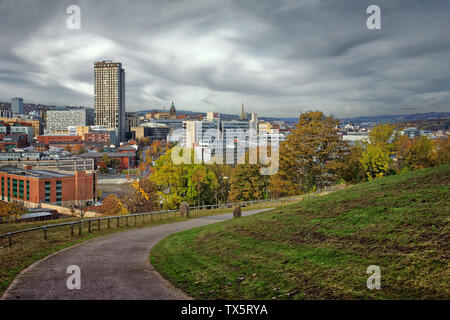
{"type": "Point", "coordinates": [173, 111]}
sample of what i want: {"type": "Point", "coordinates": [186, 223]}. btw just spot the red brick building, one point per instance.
{"type": "Point", "coordinates": [52, 139]}
{"type": "Point", "coordinates": [103, 137]}
{"type": "Point", "coordinates": [53, 187]}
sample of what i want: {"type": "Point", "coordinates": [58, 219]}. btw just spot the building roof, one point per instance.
{"type": "Point", "coordinates": [35, 215]}
{"type": "Point", "coordinates": [34, 173]}
{"type": "Point", "coordinates": [109, 154]}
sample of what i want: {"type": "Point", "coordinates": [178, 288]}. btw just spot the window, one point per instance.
{"type": "Point", "coordinates": [28, 190]}
{"type": "Point", "coordinates": [3, 188]}
{"type": "Point", "coordinates": [47, 191]}
{"type": "Point", "coordinates": [21, 189]}
{"type": "Point", "coordinates": [58, 192]}
{"type": "Point", "coordinates": [15, 188]}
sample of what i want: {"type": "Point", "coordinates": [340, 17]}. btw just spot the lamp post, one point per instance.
{"type": "Point", "coordinates": [226, 189]}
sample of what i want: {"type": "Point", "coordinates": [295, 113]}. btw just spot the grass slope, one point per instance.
{"type": "Point", "coordinates": [321, 247]}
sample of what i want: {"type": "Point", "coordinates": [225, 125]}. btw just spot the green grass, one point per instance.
{"type": "Point", "coordinates": [321, 247]}
{"type": "Point", "coordinates": [30, 247]}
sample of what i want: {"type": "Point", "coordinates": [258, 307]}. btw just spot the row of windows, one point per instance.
{"type": "Point", "coordinates": [17, 192]}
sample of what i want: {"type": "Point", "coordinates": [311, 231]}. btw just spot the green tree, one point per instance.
{"type": "Point", "coordinates": [171, 180]}
{"type": "Point", "coordinates": [201, 185]}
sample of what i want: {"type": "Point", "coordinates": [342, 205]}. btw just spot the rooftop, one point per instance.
{"type": "Point", "coordinates": [34, 173]}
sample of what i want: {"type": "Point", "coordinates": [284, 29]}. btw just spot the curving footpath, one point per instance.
{"type": "Point", "coordinates": [115, 266]}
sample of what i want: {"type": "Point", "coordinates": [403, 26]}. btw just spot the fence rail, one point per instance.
{"type": "Point", "coordinates": [89, 221]}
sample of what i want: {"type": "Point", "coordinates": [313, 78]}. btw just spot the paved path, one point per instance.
{"type": "Point", "coordinates": [114, 266]}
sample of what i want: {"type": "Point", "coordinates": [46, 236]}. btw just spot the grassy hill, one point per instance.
{"type": "Point", "coordinates": [321, 247]}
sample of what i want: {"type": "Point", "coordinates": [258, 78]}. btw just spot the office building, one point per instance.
{"type": "Point", "coordinates": [109, 96]}
{"type": "Point", "coordinates": [37, 186]}
{"type": "Point", "coordinates": [60, 119]}
{"type": "Point", "coordinates": [154, 131]}
{"type": "Point", "coordinates": [17, 106]}
{"type": "Point", "coordinates": [199, 131]}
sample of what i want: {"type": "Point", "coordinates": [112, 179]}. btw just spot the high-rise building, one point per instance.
{"type": "Point", "coordinates": [109, 96]}
{"type": "Point", "coordinates": [17, 106]}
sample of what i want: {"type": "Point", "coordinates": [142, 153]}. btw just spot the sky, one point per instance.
{"type": "Point", "coordinates": [279, 58]}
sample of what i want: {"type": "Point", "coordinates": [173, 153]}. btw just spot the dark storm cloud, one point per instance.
{"type": "Point", "coordinates": [277, 57]}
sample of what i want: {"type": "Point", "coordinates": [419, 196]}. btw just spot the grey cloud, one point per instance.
{"type": "Point", "coordinates": [278, 57]}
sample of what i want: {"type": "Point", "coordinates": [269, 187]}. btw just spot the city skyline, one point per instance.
{"type": "Point", "coordinates": [278, 59]}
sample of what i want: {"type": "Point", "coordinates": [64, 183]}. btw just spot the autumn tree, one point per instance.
{"type": "Point", "coordinates": [247, 183]}
{"type": "Point", "coordinates": [111, 206]}
{"type": "Point", "coordinates": [402, 148]}
{"type": "Point", "coordinates": [171, 180]}
{"type": "Point", "coordinates": [443, 150]}
{"type": "Point", "coordinates": [421, 154]}
{"type": "Point", "coordinates": [223, 174]}
{"type": "Point", "coordinates": [352, 170]}
{"type": "Point", "coordinates": [143, 142]}
{"type": "Point", "coordinates": [201, 185]}
{"type": "Point", "coordinates": [143, 197]}
{"type": "Point", "coordinates": [375, 161]}
{"type": "Point", "coordinates": [383, 136]}
{"type": "Point", "coordinates": [11, 211]}
{"type": "Point", "coordinates": [279, 187]}
{"type": "Point", "coordinates": [312, 153]}
{"type": "Point", "coordinates": [155, 150]}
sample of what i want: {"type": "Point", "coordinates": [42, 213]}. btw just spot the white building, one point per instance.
{"type": "Point", "coordinates": [60, 119]}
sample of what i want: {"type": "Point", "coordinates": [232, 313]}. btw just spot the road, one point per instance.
{"type": "Point", "coordinates": [115, 266]}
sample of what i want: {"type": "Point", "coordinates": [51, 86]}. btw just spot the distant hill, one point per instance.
{"type": "Point", "coordinates": [385, 118]}
{"type": "Point", "coordinates": [390, 118]}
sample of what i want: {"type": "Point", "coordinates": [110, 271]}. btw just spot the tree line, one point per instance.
{"type": "Point", "coordinates": [312, 157]}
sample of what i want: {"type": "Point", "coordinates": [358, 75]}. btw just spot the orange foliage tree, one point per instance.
{"type": "Point", "coordinates": [112, 206]}
{"type": "Point", "coordinates": [10, 211]}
